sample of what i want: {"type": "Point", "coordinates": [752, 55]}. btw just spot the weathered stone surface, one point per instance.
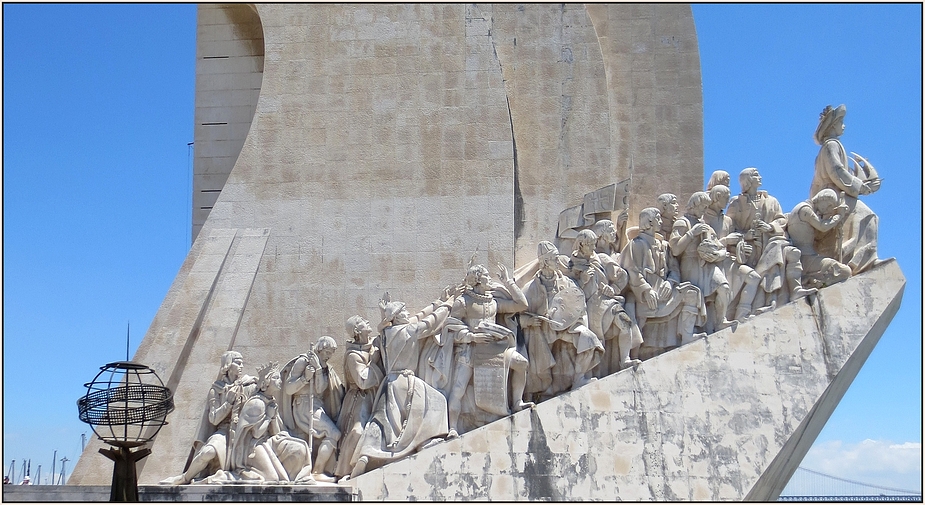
{"type": "Point", "coordinates": [728, 417]}
{"type": "Point", "coordinates": [321, 493]}
{"type": "Point", "coordinates": [389, 143]}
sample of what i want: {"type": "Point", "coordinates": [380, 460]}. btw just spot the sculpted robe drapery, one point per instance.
{"type": "Point", "coordinates": [767, 257]}
{"type": "Point", "coordinates": [328, 396]}
{"type": "Point", "coordinates": [859, 231]}
{"type": "Point", "coordinates": [646, 261]}
{"type": "Point", "coordinates": [224, 404]}
{"type": "Point", "coordinates": [261, 450]}
{"type": "Point", "coordinates": [540, 338]}
{"type": "Point", "coordinates": [362, 374]}
{"type": "Point", "coordinates": [407, 411]}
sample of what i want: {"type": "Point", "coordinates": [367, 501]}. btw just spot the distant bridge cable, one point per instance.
{"type": "Point", "coordinates": [860, 483]}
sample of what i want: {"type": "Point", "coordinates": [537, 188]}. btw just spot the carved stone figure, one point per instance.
{"type": "Point", "coordinates": [719, 178]}
{"type": "Point", "coordinates": [226, 397]}
{"type": "Point", "coordinates": [407, 412]}
{"type": "Point", "coordinates": [312, 397]}
{"type": "Point", "coordinates": [809, 219]}
{"type": "Point", "coordinates": [700, 255]}
{"type": "Point", "coordinates": [602, 279]}
{"type": "Point", "coordinates": [759, 218]}
{"type": "Point", "coordinates": [556, 318]}
{"type": "Point", "coordinates": [362, 376]}
{"type": "Point", "coordinates": [743, 280]}
{"type": "Point", "coordinates": [669, 209]}
{"type": "Point", "coordinates": [486, 352]}
{"type": "Point", "coordinates": [261, 450]}
{"type": "Point", "coordinates": [854, 242]}
{"type": "Point", "coordinates": [666, 309]}
{"type": "Point", "coordinates": [610, 237]}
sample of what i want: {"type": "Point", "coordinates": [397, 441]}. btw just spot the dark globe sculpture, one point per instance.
{"type": "Point", "coordinates": [126, 405]}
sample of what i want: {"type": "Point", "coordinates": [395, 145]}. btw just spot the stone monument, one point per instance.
{"type": "Point", "coordinates": [350, 156]}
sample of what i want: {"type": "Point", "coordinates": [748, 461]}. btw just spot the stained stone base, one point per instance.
{"type": "Point", "coordinates": [230, 493]}
{"type": "Point", "coordinates": [729, 417]}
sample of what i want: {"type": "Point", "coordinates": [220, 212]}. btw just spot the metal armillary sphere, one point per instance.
{"type": "Point", "coordinates": [126, 405]}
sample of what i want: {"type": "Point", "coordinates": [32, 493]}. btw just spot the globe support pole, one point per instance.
{"type": "Point", "coordinates": [124, 474]}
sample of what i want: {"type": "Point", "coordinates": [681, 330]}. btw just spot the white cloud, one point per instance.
{"type": "Point", "coordinates": [879, 462]}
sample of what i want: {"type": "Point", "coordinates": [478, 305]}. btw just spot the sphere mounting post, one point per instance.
{"type": "Point", "coordinates": [126, 405]}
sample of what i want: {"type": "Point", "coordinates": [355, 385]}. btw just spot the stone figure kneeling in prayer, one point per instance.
{"type": "Point", "coordinates": [807, 221]}
{"type": "Point", "coordinates": [261, 450]}
{"type": "Point", "coordinates": [362, 376]}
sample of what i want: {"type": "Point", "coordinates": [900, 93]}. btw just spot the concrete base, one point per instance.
{"type": "Point", "coordinates": [230, 493]}
{"type": "Point", "coordinates": [724, 418]}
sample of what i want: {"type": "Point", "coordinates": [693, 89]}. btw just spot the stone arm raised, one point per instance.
{"type": "Point", "coordinates": [517, 302]}
{"type": "Point", "coordinates": [222, 398]}
{"type": "Point", "coordinates": [433, 316]}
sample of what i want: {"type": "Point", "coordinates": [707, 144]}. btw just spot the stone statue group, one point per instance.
{"type": "Point", "coordinates": [489, 347]}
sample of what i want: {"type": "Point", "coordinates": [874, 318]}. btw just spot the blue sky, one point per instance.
{"type": "Point", "coordinates": [98, 112]}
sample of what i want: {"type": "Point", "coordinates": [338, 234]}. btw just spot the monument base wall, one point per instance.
{"type": "Point", "coordinates": [728, 417]}
{"type": "Point", "coordinates": [233, 493]}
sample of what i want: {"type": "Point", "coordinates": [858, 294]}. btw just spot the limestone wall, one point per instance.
{"type": "Point", "coordinates": [229, 71]}
{"type": "Point", "coordinates": [388, 144]}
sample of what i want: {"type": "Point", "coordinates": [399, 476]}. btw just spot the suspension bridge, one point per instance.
{"type": "Point", "coordinates": [811, 486]}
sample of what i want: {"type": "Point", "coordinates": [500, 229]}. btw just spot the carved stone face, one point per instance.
{"type": "Point", "coordinates": [478, 275]}
{"type": "Point", "coordinates": [325, 354]}
{"type": "Point", "coordinates": [234, 369]}
{"type": "Point", "coordinates": [825, 206]}
{"type": "Point", "coordinates": [755, 177]}
{"type": "Point", "coordinates": [402, 316]}
{"type": "Point", "coordinates": [363, 330]}
{"type": "Point", "coordinates": [670, 210]}
{"type": "Point", "coordinates": [550, 261]}
{"type": "Point", "coordinates": [838, 127]}
{"type": "Point", "coordinates": [650, 221]}
{"type": "Point", "coordinates": [274, 384]}
{"type": "Point", "coordinates": [722, 200]}
{"type": "Point", "coordinates": [699, 207]}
